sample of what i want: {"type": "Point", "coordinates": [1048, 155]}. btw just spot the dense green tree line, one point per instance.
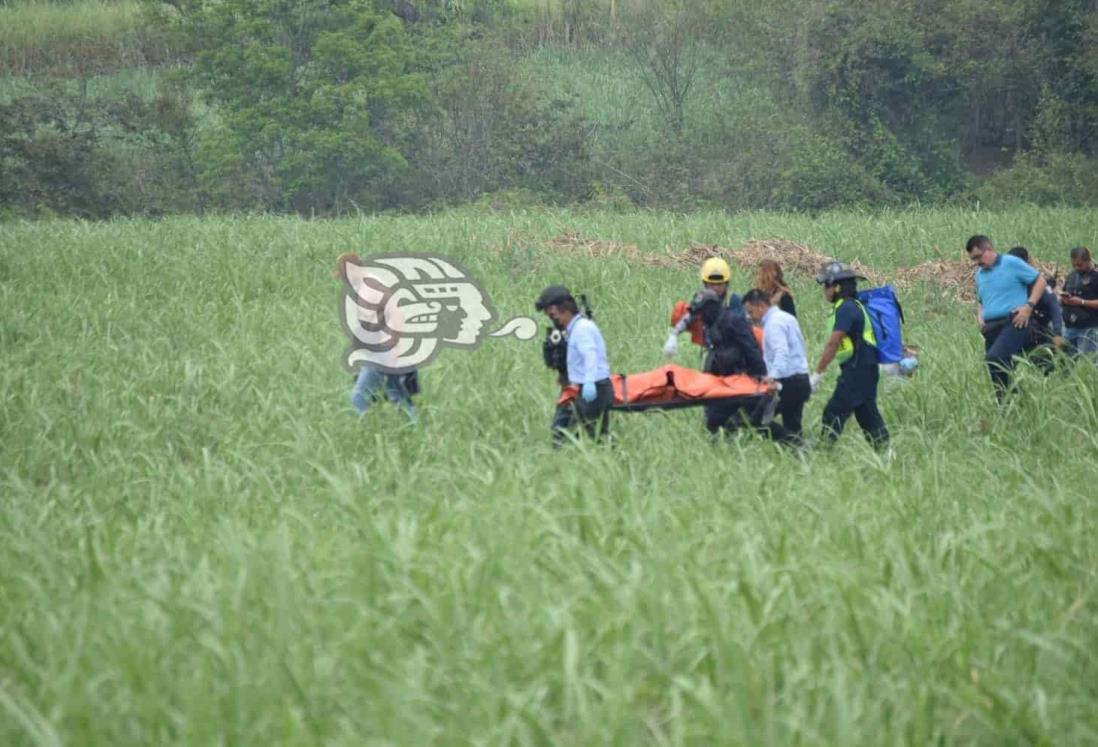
{"type": "Point", "coordinates": [325, 106]}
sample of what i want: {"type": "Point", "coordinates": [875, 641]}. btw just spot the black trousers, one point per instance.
{"type": "Point", "coordinates": [733, 415]}
{"type": "Point", "coordinates": [589, 414]}
{"type": "Point", "coordinates": [856, 394]}
{"type": "Point", "coordinates": [791, 400]}
{"type": "Point", "coordinates": [1002, 343]}
{"type": "Point", "coordinates": [1041, 347]}
{"type": "Point", "coordinates": [725, 415]}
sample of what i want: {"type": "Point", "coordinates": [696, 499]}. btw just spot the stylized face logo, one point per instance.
{"type": "Point", "coordinates": [400, 310]}
{"type": "Point", "coordinates": [459, 311]}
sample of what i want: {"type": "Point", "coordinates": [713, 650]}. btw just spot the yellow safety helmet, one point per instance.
{"type": "Point", "coordinates": [715, 270]}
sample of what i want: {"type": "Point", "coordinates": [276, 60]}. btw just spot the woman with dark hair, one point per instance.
{"type": "Point", "coordinates": [770, 279]}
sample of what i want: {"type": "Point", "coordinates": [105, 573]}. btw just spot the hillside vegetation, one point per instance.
{"type": "Point", "coordinates": [335, 107]}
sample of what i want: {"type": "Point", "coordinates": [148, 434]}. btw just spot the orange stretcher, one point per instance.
{"type": "Point", "coordinates": [670, 386]}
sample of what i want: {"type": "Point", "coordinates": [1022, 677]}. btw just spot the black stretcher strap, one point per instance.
{"type": "Point", "coordinates": [676, 404]}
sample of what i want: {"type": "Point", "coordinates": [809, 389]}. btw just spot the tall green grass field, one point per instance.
{"type": "Point", "coordinates": [202, 544]}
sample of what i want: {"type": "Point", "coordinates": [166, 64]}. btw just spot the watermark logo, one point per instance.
{"type": "Point", "coordinates": [401, 310]}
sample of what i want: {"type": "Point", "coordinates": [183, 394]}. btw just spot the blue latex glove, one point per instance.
{"type": "Point", "coordinates": [588, 392]}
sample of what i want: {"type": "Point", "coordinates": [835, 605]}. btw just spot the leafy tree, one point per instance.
{"type": "Point", "coordinates": [67, 152]}
{"type": "Point", "coordinates": [666, 45]}
{"type": "Point", "coordinates": [308, 93]}
{"type": "Point", "coordinates": [47, 153]}
{"type": "Point", "coordinates": [493, 126]}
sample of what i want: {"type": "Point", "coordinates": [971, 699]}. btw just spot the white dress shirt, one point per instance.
{"type": "Point", "coordinates": [586, 352]}
{"type": "Point", "coordinates": [783, 345]}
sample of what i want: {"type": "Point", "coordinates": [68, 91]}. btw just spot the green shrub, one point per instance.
{"type": "Point", "coordinates": [71, 153]}
{"type": "Point", "coordinates": [493, 128]}
{"type": "Point", "coordinates": [609, 196]}
{"type": "Point", "coordinates": [510, 199]}
{"type": "Point", "coordinates": [819, 175]}
{"type": "Point", "coordinates": [82, 37]}
{"type": "Point", "coordinates": [310, 94]}
{"type": "Point", "coordinates": [1059, 179]}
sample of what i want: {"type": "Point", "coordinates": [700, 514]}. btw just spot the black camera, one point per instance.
{"type": "Point", "coordinates": [554, 350]}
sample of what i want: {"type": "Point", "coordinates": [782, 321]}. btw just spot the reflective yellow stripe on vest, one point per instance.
{"type": "Point", "coordinates": [846, 347]}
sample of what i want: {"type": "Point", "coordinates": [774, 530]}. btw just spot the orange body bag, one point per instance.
{"type": "Point", "coordinates": [672, 386]}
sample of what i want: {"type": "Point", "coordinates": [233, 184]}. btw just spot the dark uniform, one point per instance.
{"type": "Point", "coordinates": [730, 348]}
{"type": "Point", "coordinates": [1047, 323]}
{"type": "Point", "coordinates": [856, 390]}
{"type": "Point", "coordinates": [1082, 323]}
{"type": "Point", "coordinates": [1048, 318]}
{"type": "Point", "coordinates": [785, 303]}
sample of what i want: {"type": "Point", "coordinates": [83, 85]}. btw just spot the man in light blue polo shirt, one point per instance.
{"type": "Point", "coordinates": [1006, 302]}
{"type": "Point", "coordinates": [587, 365]}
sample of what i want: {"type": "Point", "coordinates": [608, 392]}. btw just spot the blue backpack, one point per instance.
{"type": "Point", "coordinates": [887, 317]}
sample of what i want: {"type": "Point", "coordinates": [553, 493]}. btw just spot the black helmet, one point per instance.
{"type": "Point", "coordinates": [833, 272]}
{"type": "Point", "coordinates": [554, 295]}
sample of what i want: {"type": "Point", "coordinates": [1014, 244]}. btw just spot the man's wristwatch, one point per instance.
{"type": "Point", "coordinates": [1031, 305]}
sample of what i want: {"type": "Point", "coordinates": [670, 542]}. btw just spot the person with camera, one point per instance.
{"type": "Point", "coordinates": [578, 352]}
{"type": "Point", "coordinates": [1080, 302]}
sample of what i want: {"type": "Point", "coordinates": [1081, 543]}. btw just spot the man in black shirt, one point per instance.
{"type": "Point", "coordinates": [1080, 303]}
{"type": "Point", "coordinates": [730, 348]}
{"type": "Point", "coordinates": [1048, 321]}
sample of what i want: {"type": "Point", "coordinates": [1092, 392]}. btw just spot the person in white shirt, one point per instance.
{"type": "Point", "coordinates": [786, 362]}
{"type": "Point", "coordinates": [587, 366]}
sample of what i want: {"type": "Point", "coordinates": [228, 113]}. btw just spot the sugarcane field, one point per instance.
{"type": "Point", "coordinates": [421, 372]}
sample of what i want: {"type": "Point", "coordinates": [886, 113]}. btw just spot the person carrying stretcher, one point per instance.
{"type": "Point", "coordinates": [731, 346]}
{"type": "Point", "coordinates": [578, 352]}
{"type": "Point", "coordinates": [715, 274]}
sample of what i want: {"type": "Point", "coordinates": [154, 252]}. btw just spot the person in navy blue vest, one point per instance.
{"type": "Point", "coordinates": [1007, 290]}
{"type": "Point", "coordinates": [852, 342]}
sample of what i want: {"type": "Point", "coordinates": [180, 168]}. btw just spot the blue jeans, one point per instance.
{"type": "Point", "coordinates": [368, 387]}
{"type": "Point", "coordinates": [1082, 341]}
